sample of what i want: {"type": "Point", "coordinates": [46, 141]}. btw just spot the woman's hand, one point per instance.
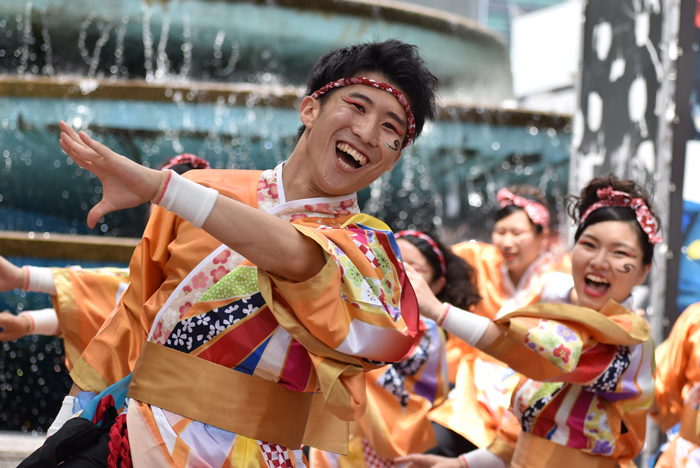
{"type": "Point", "coordinates": [125, 183]}
{"type": "Point", "coordinates": [11, 276]}
{"type": "Point", "coordinates": [13, 326]}
{"type": "Point", "coordinates": [417, 460]}
{"type": "Point", "coordinates": [429, 305]}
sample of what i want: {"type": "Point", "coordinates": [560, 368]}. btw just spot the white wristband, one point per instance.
{"type": "Point", "coordinates": [189, 200]}
{"type": "Point", "coordinates": [45, 322]}
{"type": "Point", "coordinates": [41, 280]}
{"type": "Point", "coordinates": [64, 414]}
{"type": "Point", "coordinates": [482, 458]}
{"type": "Point", "coordinates": [465, 325]}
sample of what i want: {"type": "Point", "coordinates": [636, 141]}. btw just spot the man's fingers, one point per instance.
{"type": "Point", "coordinates": [408, 458]}
{"type": "Point", "coordinates": [96, 213]}
{"type": "Point", "coordinates": [68, 130]}
{"type": "Point", "coordinates": [72, 149]}
{"type": "Point", "coordinates": [96, 146]}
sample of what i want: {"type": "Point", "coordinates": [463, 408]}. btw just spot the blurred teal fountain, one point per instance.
{"type": "Point", "coordinates": [220, 79]}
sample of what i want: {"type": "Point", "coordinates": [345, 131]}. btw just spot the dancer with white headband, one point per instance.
{"type": "Point", "coordinates": [588, 370]}
{"type": "Point", "coordinates": [253, 334]}
{"type": "Point", "coordinates": [82, 297]}
{"type": "Point", "coordinates": [516, 271]}
{"type": "Point", "coordinates": [400, 396]}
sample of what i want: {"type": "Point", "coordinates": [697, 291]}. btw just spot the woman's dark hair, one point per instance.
{"type": "Point", "coordinates": [461, 289]}
{"type": "Point", "coordinates": [397, 61]}
{"type": "Point", "coordinates": [181, 168]}
{"type": "Point", "coordinates": [528, 192]}
{"type": "Point", "coordinates": [579, 204]}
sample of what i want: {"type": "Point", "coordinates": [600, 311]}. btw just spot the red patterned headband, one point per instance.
{"type": "Point", "coordinates": [536, 211]}
{"type": "Point", "coordinates": [431, 242]}
{"type": "Point", "coordinates": [410, 132]}
{"type": "Point", "coordinates": [191, 159]}
{"type": "Point", "coordinates": [609, 197]}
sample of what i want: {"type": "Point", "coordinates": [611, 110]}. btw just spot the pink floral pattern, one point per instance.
{"type": "Point", "coordinates": [222, 257]}
{"type": "Point", "coordinates": [218, 273]}
{"type": "Point", "coordinates": [199, 281]}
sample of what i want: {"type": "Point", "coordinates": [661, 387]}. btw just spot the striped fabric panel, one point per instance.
{"type": "Point", "coordinates": [234, 345]}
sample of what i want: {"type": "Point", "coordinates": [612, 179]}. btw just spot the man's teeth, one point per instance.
{"type": "Point", "coordinates": [359, 157]}
{"type": "Point", "coordinates": [344, 164]}
{"type": "Point", "coordinates": [597, 279]}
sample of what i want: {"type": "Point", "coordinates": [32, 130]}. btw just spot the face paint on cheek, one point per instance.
{"type": "Point", "coordinates": [395, 147]}
{"type": "Point", "coordinates": [626, 268]}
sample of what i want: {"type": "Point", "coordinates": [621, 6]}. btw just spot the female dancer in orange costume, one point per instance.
{"type": "Point", "coordinates": [512, 273]}
{"type": "Point", "coordinates": [588, 370]}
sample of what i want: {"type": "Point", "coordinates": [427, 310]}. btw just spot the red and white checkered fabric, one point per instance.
{"type": "Point", "coordinates": [372, 459]}
{"type": "Point", "coordinates": [275, 455]}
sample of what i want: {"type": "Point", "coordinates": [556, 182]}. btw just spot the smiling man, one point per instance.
{"type": "Point", "coordinates": [239, 343]}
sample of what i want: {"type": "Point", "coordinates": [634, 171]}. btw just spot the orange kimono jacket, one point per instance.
{"type": "Point", "coordinates": [219, 347]}
{"type": "Point", "coordinates": [677, 374]}
{"type": "Point", "coordinates": [587, 385]}
{"type": "Point", "coordinates": [83, 300]}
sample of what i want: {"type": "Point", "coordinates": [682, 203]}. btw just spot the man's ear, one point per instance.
{"type": "Point", "coordinates": [308, 110]}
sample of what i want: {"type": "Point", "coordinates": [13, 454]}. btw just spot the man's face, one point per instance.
{"type": "Point", "coordinates": [353, 137]}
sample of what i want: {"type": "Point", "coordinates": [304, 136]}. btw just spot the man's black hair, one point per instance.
{"type": "Point", "coordinates": [398, 62]}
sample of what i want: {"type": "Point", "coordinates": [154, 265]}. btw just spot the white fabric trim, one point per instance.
{"type": "Point", "coordinates": [41, 280]}
{"type": "Point", "coordinates": [285, 205]}
{"type": "Point", "coordinates": [182, 284]}
{"type": "Point", "coordinates": [369, 341]}
{"type": "Point", "coordinates": [280, 185]}
{"type": "Point", "coordinates": [189, 200]}
{"type": "Point", "coordinates": [64, 414]}
{"type": "Point", "coordinates": [272, 361]}
{"type": "Point", "coordinates": [45, 321]}
{"type": "Point", "coordinates": [482, 458]}
{"type": "Point", "coordinates": [466, 326]}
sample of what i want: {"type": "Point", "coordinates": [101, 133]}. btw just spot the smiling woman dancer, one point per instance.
{"type": "Point", "coordinates": [261, 343]}
{"type": "Point", "coordinates": [399, 396]}
{"type": "Point", "coordinates": [588, 369]}
{"type": "Point", "coordinates": [512, 273]}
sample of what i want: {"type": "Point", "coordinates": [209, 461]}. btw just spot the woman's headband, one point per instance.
{"type": "Point", "coordinates": [431, 242]}
{"type": "Point", "coordinates": [191, 159]}
{"type": "Point", "coordinates": [609, 197]}
{"type": "Point", "coordinates": [410, 132]}
{"type": "Point", "coordinates": [536, 211]}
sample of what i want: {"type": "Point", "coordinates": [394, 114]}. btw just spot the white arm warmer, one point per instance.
{"type": "Point", "coordinates": [44, 322]}
{"type": "Point", "coordinates": [557, 288]}
{"type": "Point", "coordinates": [482, 458]}
{"type": "Point", "coordinates": [189, 200]}
{"type": "Point", "coordinates": [41, 280]}
{"type": "Point", "coordinates": [464, 325]}
{"type": "Point", "coordinates": [64, 414]}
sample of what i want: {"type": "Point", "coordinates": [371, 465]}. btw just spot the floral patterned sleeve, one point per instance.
{"type": "Point", "coordinates": [596, 367]}
{"type": "Point", "coordinates": [571, 351]}
{"type": "Point", "coordinates": [361, 303]}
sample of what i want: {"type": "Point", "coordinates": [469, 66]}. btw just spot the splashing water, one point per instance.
{"type": "Point", "coordinates": [147, 40]}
